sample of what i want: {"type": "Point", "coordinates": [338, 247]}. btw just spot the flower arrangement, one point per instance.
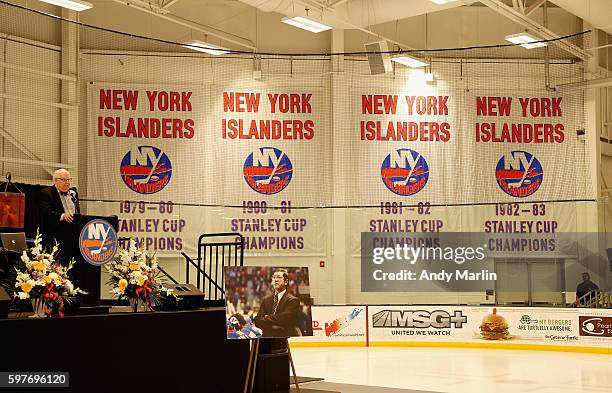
{"type": "Point", "coordinates": [134, 275]}
{"type": "Point", "coordinates": [43, 280]}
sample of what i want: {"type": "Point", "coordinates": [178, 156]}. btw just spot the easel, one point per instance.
{"type": "Point", "coordinates": [252, 366]}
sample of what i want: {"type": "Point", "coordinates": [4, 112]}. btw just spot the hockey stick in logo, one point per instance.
{"type": "Point", "coordinates": [145, 181]}
{"type": "Point", "coordinates": [405, 183]}
{"type": "Point", "coordinates": [99, 250]}
{"type": "Point", "coordinates": [520, 183]}
{"type": "Point", "coordinates": [269, 179]}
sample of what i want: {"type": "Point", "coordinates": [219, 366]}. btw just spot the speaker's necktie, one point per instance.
{"type": "Point", "coordinates": [275, 303]}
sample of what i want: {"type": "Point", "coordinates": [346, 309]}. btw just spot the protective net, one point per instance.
{"type": "Point", "coordinates": [178, 142]}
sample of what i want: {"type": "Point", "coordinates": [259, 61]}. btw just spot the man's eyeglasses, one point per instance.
{"type": "Point", "coordinates": [64, 180]}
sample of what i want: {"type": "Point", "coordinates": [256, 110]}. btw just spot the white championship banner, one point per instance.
{"type": "Point", "coordinates": [182, 148]}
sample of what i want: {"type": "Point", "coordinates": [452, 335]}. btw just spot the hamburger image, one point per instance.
{"type": "Point", "coordinates": [494, 327]}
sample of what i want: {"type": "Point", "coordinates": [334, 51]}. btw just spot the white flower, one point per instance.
{"type": "Point", "coordinates": [23, 295]}
{"type": "Point", "coordinates": [69, 286]}
{"type": "Point", "coordinates": [55, 277]}
{"type": "Point", "coordinates": [37, 249]}
{"type": "Point", "coordinates": [25, 258]}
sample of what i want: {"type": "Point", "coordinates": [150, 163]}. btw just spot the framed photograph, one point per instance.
{"type": "Point", "coordinates": [264, 301]}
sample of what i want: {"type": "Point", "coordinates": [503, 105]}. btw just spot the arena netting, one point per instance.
{"type": "Point", "coordinates": [219, 140]}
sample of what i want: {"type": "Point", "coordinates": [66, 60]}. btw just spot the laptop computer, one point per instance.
{"type": "Point", "coordinates": [14, 241]}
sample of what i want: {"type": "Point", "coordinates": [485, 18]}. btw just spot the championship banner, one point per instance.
{"type": "Point", "coordinates": [406, 144]}
{"type": "Point", "coordinates": [162, 151]}
{"type": "Point", "coordinates": [446, 143]}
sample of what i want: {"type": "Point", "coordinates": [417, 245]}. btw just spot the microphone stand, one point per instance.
{"type": "Point", "coordinates": [9, 183]}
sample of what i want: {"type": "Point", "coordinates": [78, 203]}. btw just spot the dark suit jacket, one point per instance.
{"type": "Point", "coordinates": [284, 321]}
{"type": "Point", "coordinates": [51, 228]}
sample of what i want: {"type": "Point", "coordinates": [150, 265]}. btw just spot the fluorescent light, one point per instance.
{"type": "Point", "coordinates": [525, 40]}
{"type": "Point", "coordinates": [306, 24]}
{"type": "Point", "coordinates": [409, 61]}
{"type": "Point", "coordinates": [205, 47]}
{"type": "Point", "coordinates": [76, 5]}
{"type": "Point", "coordinates": [442, 1]}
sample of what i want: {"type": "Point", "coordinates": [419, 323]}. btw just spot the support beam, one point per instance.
{"type": "Point", "coordinates": [39, 102]}
{"type": "Point", "coordinates": [339, 243]}
{"type": "Point", "coordinates": [69, 120]}
{"type": "Point", "coordinates": [512, 14]}
{"type": "Point", "coordinates": [11, 66]}
{"type": "Point", "coordinates": [210, 31]}
{"type": "Point", "coordinates": [590, 84]}
{"type": "Point", "coordinates": [13, 141]}
{"type": "Point", "coordinates": [35, 162]}
{"type": "Point", "coordinates": [534, 6]}
{"type": "Point", "coordinates": [170, 4]}
{"type": "Point", "coordinates": [336, 3]}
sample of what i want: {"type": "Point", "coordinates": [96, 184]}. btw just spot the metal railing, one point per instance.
{"type": "Point", "coordinates": [215, 252]}
{"type": "Point", "coordinates": [595, 299]}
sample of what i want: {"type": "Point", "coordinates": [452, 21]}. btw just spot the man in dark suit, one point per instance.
{"type": "Point", "coordinates": [58, 206]}
{"type": "Point", "coordinates": [277, 316]}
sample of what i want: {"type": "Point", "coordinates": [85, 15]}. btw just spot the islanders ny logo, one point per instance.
{"type": "Point", "coordinates": [405, 172]}
{"type": "Point", "coordinates": [519, 174]}
{"type": "Point", "coordinates": [98, 242]}
{"type": "Point", "coordinates": [267, 170]}
{"type": "Point", "coordinates": [146, 169]}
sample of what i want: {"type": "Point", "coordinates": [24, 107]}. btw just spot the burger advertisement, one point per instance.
{"type": "Point", "coordinates": [494, 327]}
{"type": "Point", "coordinates": [528, 325]}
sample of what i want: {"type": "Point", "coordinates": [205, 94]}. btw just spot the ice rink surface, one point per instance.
{"type": "Point", "coordinates": [455, 370]}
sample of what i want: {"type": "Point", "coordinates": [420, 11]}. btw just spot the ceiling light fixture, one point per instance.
{"type": "Point", "coordinates": [76, 5]}
{"type": "Point", "coordinates": [409, 61]}
{"type": "Point", "coordinates": [442, 1]}
{"type": "Point", "coordinates": [525, 40]}
{"type": "Point", "coordinates": [306, 24]}
{"type": "Point", "coordinates": [205, 47]}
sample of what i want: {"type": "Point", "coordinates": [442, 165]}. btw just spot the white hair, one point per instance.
{"type": "Point", "coordinates": [59, 172]}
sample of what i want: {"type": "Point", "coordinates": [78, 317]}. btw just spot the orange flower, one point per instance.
{"type": "Point", "coordinates": [26, 286]}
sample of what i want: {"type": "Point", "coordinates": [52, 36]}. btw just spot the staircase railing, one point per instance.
{"type": "Point", "coordinates": [215, 252]}
{"type": "Point", "coordinates": [595, 299]}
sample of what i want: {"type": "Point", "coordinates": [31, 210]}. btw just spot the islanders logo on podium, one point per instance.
{"type": "Point", "coordinates": [98, 242]}
{"type": "Point", "coordinates": [405, 172]}
{"type": "Point", "coordinates": [267, 170]}
{"type": "Point", "coordinates": [146, 169]}
{"type": "Point", "coordinates": [519, 174]}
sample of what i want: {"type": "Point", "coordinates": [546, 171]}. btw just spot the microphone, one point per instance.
{"type": "Point", "coordinates": [73, 194]}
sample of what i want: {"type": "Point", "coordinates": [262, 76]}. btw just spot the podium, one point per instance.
{"type": "Point", "coordinates": [85, 275]}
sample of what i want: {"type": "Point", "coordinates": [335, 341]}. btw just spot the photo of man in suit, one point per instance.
{"type": "Point", "coordinates": [278, 315]}
{"type": "Point", "coordinates": [58, 206]}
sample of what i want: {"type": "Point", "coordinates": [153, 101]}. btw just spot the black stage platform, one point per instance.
{"type": "Point", "coordinates": [178, 352]}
